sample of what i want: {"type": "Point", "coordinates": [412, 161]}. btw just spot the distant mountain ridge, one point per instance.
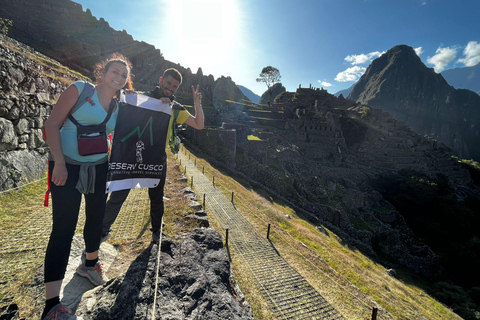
{"type": "Point", "coordinates": [399, 82]}
{"type": "Point", "coordinates": [464, 78]}
{"type": "Point", "coordinates": [255, 98]}
{"type": "Point", "coordinates": [345, 92]}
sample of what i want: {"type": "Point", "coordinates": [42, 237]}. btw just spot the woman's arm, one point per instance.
{"type": "Point", "coordinates": [52, 131]}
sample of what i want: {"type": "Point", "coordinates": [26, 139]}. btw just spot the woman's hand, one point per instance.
{"type": "Point", "coordinates": [59, 174]}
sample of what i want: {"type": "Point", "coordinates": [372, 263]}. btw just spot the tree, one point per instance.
{"type": "Point", "coordinates": [270, 76]}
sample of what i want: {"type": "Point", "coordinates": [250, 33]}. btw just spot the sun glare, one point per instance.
{"type": "Point", "coordinates": [203, 33]}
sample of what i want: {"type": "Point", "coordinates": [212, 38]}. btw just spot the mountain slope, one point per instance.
{"type": "Point", "coordinates": [255, 98]}
{"type": "Point", "coordinates": [345, 92]}
{"type": "Point", "coordinates": [61, 30]}
{"type": "Point", "coordinates": [399, 82]}
{"type": "Point", "coordinates": [464, 78]}
{"type": "Point", "coordinates": [269, 96]}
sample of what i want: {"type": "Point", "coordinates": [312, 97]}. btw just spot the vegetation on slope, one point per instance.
{"type": "Point", "coordinates": [348, 279]}
{"type": "Point", "coordinates": [451, 227]}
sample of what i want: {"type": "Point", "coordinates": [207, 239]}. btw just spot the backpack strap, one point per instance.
{"type": "Point", "coordinates": [113, 103]}
{"type": "Point", "coordinates": [85, 95]}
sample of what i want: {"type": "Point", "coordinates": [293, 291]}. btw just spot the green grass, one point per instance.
{"type": "Point", "coordinates": [342, 274]}
{"type": "Point", "coordinates": [18, 204]}
{"type": "Point", "coordinates": [253, 138]}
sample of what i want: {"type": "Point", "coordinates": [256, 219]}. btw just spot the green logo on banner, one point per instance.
{"type": "Point", "coordinates": [140, 133]}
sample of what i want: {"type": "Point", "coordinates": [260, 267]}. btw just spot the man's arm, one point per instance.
{"type": "Point", "coordinates": [196, 122]}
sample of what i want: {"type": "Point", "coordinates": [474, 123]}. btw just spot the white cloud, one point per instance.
{"type": "Point", "coordinates": [324, 83]}
{"type": "Point", "coordinates": [418, 51]}
{"type": "Point", "coordinates": [472, 54]}
{"type": "Point", "coordinates": [351, 74]}
{"type": "Point", "coordinates": [442, 57]}
{"type": "Point", "coordinates": [363, 58]}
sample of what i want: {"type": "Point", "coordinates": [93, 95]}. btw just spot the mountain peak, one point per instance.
{"type": "Point", "coordinates": [398, 56]}
{"type": "Point", "coordinates": [400, 83]}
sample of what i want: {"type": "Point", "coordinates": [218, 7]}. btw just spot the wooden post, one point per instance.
{"type": "Point", "coordinates": [213, 181]}
{"type": "Point", "coordinates": [191, 184]}
{"type": "Point", "coordinates": [204, 201]}
{"type": "Point", "coordinates": [185, 170]}
{"type": "Point", "coordinates": [374, 313]}
{"type": "Point", "coordinates": [180, 162]}
{"type": "Point", "coordinates": [268, 232]}
{"type": "Point", "coordinates": [232, 197]}
{"type": "Point", "coordinates": [195, 162]}
{"type": "Point", "coordinates": [226, 237]}
{"type": "Point", "coordinates": [203, 170]}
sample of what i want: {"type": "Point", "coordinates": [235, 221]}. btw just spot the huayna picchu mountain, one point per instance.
{"type": "Point", "coordinates": [399, 82]}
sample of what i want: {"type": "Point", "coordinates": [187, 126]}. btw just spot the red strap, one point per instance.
{"type": "Point", "coordinates": [45, 201]}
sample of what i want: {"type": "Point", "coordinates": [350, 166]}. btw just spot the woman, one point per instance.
{"type": "Point", "coordinates": [72, 174]}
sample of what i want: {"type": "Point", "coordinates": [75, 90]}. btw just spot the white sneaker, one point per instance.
{"type": "Point", "coordinates": [94, 274]}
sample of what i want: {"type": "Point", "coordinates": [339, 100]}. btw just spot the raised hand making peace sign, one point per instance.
{"type": "Point", "coordinates": [197, 96]}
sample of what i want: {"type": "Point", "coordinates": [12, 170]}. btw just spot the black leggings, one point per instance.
{"type": "Point", "coordinates": [66, 202]}
{"type": "Point", "coordinates": [117, 198]}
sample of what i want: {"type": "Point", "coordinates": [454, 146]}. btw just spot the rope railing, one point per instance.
{"type": "Point", "coordinates": [20, 187]}
{"type": "Point", "coordinates": [157, 272]}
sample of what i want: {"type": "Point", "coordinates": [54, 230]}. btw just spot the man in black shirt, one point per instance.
{"type": "Point", "coordinates": [168, 86]}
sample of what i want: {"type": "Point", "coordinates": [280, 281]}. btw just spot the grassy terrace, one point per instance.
{"type": "Point", "coordinates": [338, 271]}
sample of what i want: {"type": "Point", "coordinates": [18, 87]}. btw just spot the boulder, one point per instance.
{"type": "Point", "coordinates": [193, 282]}
{"type": "Point", "coordinates": [30, 164]}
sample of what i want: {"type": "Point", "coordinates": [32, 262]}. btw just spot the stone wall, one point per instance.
{"type": "Point", "coordinates": [27, 87]}
{"type": "Point", "coordinates": [218, 143]}
{"type": "Point", "coordinates": [241, 133]}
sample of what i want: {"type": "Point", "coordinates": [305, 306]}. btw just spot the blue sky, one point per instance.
{"type": "Point", "coordinates": [323, 43]}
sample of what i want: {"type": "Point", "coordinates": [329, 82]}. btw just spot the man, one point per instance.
{"type": "Point", "coordinates": [169, 83]}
